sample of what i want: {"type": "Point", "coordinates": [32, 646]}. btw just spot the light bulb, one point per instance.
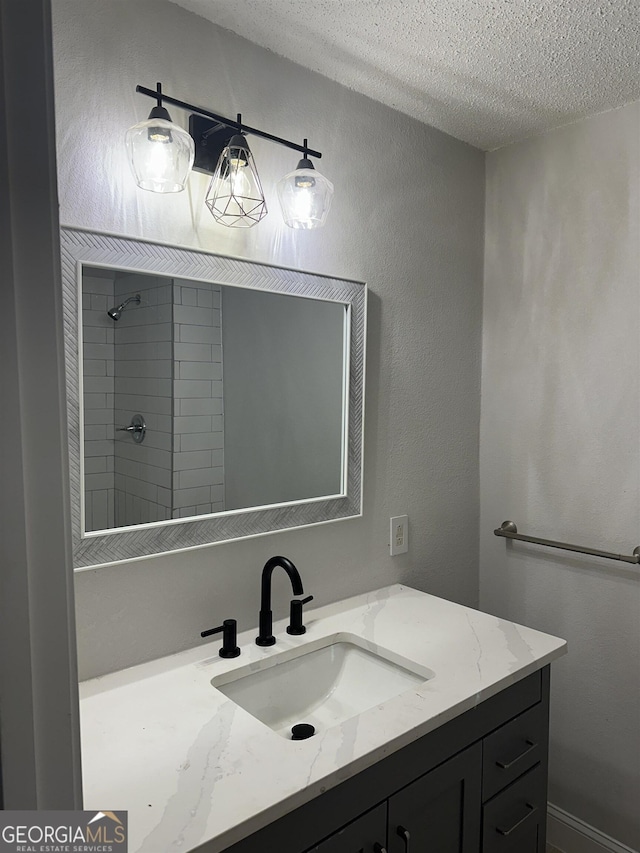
{"type": "Point", "coordinates": [240, 184]}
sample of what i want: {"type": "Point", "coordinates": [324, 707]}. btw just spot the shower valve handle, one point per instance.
{"type": "Point", "coordinates": [137, 428]}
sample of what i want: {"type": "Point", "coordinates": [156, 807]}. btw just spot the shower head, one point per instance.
{"type": "Point", "coordinates": [115, 313]}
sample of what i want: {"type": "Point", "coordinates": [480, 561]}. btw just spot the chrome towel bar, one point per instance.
{"type": "Point", "coordinates": [509, 531]}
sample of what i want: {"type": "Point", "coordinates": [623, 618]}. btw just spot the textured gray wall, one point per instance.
{"type": "Point", "coordinates": [407, 218]}
{"type": "Point", "coordinates": [559, 440]}
{"type": "Point", "coordinates": [283, 385]}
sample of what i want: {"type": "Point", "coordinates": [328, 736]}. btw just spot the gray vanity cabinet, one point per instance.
{"type": "Point", "coordinates": [440, 810]}
{"type": "Point", "coordinates": [366, 834]}
{"type": "Point", "coordinates": [477, 784]}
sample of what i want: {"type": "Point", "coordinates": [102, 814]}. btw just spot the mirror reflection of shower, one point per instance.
{"type": "Point", "coordinates": [116, 312]}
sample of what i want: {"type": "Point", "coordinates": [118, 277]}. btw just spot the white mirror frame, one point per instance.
{"type": "Point", "coordinates": [82, 247]}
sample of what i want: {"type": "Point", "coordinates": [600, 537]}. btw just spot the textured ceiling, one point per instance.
{"type": "Point", "coordinates": [489, 72]}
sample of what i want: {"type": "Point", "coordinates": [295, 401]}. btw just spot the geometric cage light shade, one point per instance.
{"type": "Point", "coordinates": [305, 196]}
{"type": "Point", "coordinates": [235, 196]}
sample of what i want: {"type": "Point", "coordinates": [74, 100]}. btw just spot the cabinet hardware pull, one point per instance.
{"type": "Point", "coordinates": [532, 810]}
{"type": "Point", "coordinates": [405, 836]}
{"type": "Point", "coordinates": [530, 747]}
{"type": "Point", "coordinates": [378, 848]}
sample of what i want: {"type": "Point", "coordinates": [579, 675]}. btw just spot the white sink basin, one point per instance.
{"type": "Point", "coordinates": [323, 683]}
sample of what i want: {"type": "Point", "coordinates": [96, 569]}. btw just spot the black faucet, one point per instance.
{"type": "Point", "coordinates": [265, 637]}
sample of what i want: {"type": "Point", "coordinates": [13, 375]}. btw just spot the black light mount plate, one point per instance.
{"type": "Point", "coordinates": [210, 138]}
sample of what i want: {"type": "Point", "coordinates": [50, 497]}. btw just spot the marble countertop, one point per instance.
{"type": "Point", "coordinates": [192, 767]}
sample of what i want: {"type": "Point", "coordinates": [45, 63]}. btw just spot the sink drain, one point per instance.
{"type": "Point", "coordinates": [302, 731]}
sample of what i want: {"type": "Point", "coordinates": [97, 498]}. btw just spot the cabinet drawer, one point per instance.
{"type": "Point", "coordinates": [513, 749]}
{"type": "Point", "coordinates": [514, 819]}
{"type": "Point", "coordinates": [366, 834]}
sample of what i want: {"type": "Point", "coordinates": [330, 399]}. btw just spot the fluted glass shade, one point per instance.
{"type": "Point", "coordinates": [305, 197]}
{"type": "Point", "coordinates": [235, 197]}
{"type": "Point", "coordinates": [160, 153]}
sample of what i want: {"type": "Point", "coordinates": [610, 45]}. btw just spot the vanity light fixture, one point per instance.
{"type": "Point", "coordinates": [160, 153]}
{"type": "Point", "coordinates": [305, 196]}
{"type": "Point", "coordinates": [218, 147]}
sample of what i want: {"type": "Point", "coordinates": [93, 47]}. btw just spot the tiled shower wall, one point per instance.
{"type": "Point", "coordinates": [143, 385]}
{"type": "Point", "coordinates": [163, 360]}
{"type": "Point", "coordinates": [98, 378]}
{"type": "Point", "coordinates": [198, 468]}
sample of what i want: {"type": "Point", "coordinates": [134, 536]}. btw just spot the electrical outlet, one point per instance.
{"type": "Point", "coordinates": [399, 535]}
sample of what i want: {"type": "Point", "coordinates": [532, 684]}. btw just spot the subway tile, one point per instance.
{"type": "Point", "coordinates": [192, 315]}
{"type": "Point", "coordinates": [196, 459]}
{"type": "Point", "coordinates": [147, 350]}
{"type": "Point", "coordinates": [98, 448]}
{"type": "Point", "coordinates": [199, 477]}
{"type": "Point", "coordinates": [184, 512]}
{"type": "Point", "coordinates": [94, 335]}
{"type": "Point", "coordinates": [164, 497]}
{"type": "Point", "coordinates": [204, 406]}
{"type": "Point", "coordinates": [88, 515]}
{"type": "Point", "coordinates": [217, 494]}
{"type": "Point", "coordinates": [193, 423]}
{"type": "Point", "coordinates": [198, 370]}
{"type": "Point", "coordinates": [95, 464]}
{"type": "Point", "coordinates": [111, 508]}
{"type": "Point", "coordinates": [217, 506]}
{"type": "Point", "coordinates": [147, 386]}
{"type": "Point", "coordinates": [95, 432]}
{"type": "Point", "coordinates": [95, 482]}
{"type": "Point", "coordinates": [99, 384]}
{"type": "Point", "coordinates": [205, 298]}
{"type": "Point", "coordinates": [191, 388]}
{"type": "Point", "coordinates": [188, 296]}
{"type": "Point", "coordinates": [95, 284]}
{"type": "Point", "coordinates": [191, 334]}
{"type": "Point", "coordinates": [94, 367]}
{"type": "Point", "coordinates": [158, 440]}
{"type": "Point", "coordinates": [145, 368]}
{"type": "Point", "coordinates": [142, 454]}
{"type": "Point", "coordinates": [165, 294]}
{"type": "Point", "coordinates": [192, 352]}
{"type": "Point", "coordinates": [145, 405]}
{"type": "Point", "coordinates": [98, 416]}
{"type": "Point", "coordinates": [92, 318]}
{"type": "Point", "coordinates": [97, 350]}
{"type": "Point", "coordinates": [141, 488]}
{"type": "Point", "coordinates": [100, 510]}
{"type": "Point", "coordinates": [191, 497]}
{"type": "Point", "coordinates": [216, 352]}
{"type": "Point", "coordinates": [99, 302]}
{"type": "Point", "coordinates": [202, 441]}
{"type": "Point", "coordinates": [147, 334]}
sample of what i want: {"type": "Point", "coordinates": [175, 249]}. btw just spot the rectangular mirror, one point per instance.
{"type": "Point", "coordinates": [209, 398]}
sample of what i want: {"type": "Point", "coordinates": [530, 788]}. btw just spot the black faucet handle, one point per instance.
{"type": "Point", "coordinates": [295, 626]}
{"type": "Point", "coordinates": [229, 628]}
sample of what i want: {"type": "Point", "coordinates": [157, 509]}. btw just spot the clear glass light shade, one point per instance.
{"type": "Point", "coordinates": [305, 197]}
{"type": "Point", "coordinates": [235, 197]}
{"type": "Point", "coordinates": [160, 155]}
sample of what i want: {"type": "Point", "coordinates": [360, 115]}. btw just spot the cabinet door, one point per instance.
{"type": "Point", "coordinates": [366, 834]}
{"type": "Point", "coordinates": [440, 811]}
